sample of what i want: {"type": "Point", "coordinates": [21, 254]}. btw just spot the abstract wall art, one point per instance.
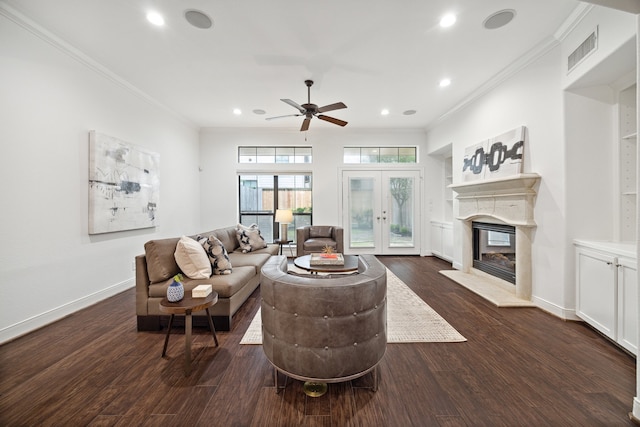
{"type": "Point", "coordinates": [496, 157]}
{"type": "Point", "coordinates": [124, 185]}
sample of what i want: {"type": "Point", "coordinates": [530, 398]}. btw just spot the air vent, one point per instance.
{"type": "Point", "coordinates": [585, 49]}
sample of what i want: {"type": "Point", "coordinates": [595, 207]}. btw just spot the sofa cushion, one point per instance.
{"type": "Point", "coordinates": [192, 259]}
{"type": "Point", "coordinates": [250, 238]}
{"type": "Point", "coordinates": [226, 286]}
{"type": "Point", "coordinates": [161, 263]}
{"type": "Point", "coordinates": [320, 231]}
{"type": "Point", "coordinates": [217, 255]}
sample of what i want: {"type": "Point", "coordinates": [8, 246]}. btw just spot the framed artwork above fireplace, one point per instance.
{"type": "Point", "coordinates": [496, 157]}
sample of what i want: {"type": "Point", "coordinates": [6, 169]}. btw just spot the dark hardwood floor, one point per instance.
{"type": "Point", "coordinates": [519, 367]}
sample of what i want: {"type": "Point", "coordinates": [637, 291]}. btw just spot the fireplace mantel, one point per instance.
{"type": "Point", "coordinates": [509, 199]}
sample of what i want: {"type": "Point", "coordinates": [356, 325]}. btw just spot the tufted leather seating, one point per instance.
{"type": "Point", "coordinates": [314, 238]}
{"type": "Point", "coordinates": [324, 328]}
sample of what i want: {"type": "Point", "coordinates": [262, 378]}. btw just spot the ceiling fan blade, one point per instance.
{"type": "Point", "coordinates": [333, 120]}
{"type": "Point", "coordinates": [305, 124]}
{"type": "Point", "coordinates": [294, 105]}
{"type": "Point", "coordinates": [282, 117]}
{"type": "Point", "coordinates": [331, 107]}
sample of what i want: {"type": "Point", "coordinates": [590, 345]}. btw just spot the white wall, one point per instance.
{"type": "Point", "coordinates": [532, 98]}
{"type": "Point", "coordinates": [49, 265]}
{"type": "Point", "coordinates": [569, 145]}
{"type": "Point", "coordinates": [219, 150]}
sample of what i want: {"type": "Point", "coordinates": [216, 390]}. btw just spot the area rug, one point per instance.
{"type": "Point", "coordinates": [409, 319]}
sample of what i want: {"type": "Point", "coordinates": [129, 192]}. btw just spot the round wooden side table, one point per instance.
{"type": "Point", "coordinates": [186, 306]}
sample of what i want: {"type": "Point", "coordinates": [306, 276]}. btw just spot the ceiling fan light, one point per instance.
{"type": "Point", "coordinates": [384, 112]}
{"type": "Point", "coordinates": [237, 111]}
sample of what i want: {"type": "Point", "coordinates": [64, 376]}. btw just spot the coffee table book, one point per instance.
{"type": "Point", "coordinates": [326, 259]}
{"type": "Point", "coordinates": [201, 291]}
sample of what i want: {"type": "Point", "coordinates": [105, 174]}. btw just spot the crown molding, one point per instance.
{"type": "Point", "coordinates": [506, 73]}
{"type": "Point", "coordinates": [34, 28]}
{"type": "Point", "coordinates": [521, 63]}
{"type": "Point", "coordinates": [573, 20]}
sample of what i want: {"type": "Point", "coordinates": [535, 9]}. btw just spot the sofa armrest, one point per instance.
{"type": "Point", "coordinates": [142, 285]}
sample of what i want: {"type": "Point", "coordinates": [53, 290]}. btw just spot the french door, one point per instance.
{"type": "Point", "coordinates": [381, 211]}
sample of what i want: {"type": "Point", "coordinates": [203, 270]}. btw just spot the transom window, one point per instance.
{"type": "Point", "coordinates": [274, 155]}
{"type": "Point", "coordinates": [380, 155]}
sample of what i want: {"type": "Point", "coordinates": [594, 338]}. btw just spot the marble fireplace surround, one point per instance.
{"type": "Point", "coordinates": [509, 200]}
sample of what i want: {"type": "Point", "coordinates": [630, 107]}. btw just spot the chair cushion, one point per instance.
{"type": "Point", "coordinates": [318, 244]}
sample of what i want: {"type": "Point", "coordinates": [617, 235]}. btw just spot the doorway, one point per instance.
{"type": "Point", "coordinates": [381, 212]}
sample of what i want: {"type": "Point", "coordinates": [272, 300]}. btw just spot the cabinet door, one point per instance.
{"type": "Point", "coordinates": [447, 242]}
{"type": "Point", "coordinates": [628, 304]}
{"type": "Point", "coordinates": [596, 295]}
{"type": "Point", "coordinates": [436, 239]}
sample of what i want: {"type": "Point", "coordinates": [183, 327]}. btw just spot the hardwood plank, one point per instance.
{"type": "Point", "coordinates": [518, 367]}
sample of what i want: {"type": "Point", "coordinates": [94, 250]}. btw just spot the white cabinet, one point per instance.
{"type": "Point", "coordinates": [607, 290]}
{"type": "Point", "coordinates": [442, 240]}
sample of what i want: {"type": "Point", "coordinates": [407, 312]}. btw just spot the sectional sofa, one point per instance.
{"type": "Point", "coordinates": [156, 268]}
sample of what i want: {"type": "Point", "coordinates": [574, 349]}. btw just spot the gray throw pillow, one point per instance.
{"type": "Point", "coordinates": [218, 255]}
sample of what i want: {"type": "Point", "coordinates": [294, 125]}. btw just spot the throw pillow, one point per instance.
{"type": "Point", "coordinates": [250, 238]}
{"type": "Point", "coordinates": [218, 255]}
{"type": "Point", "coordinates": [192, 259]}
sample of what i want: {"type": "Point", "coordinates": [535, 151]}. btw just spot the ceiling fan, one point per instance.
{"type": "Point", "coordinates": [310, 110]}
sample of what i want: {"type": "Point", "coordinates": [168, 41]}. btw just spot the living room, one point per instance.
{"type": "Point", "coordinates": [54, 95]}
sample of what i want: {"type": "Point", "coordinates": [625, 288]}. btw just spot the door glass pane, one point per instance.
{"type": "Point", "coordinates": [361, 199]}
{"type": "Point", "coordinates": [401, 212]}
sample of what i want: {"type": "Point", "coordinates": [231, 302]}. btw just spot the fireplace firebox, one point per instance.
{"type": "Point", "coordinates": [494, 249]}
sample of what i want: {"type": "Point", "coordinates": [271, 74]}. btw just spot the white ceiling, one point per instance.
{"type": "Point", "coordinates": [369, 54]}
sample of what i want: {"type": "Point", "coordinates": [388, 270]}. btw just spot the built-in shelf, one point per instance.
{"type": "Point", "coordinates": [629, 193]}
{"type": "Point", "coordinates": [632, 136]}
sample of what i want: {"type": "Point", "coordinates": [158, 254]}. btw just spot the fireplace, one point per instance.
{"type": "Point", "coordinates": [502, 201]}
{"type": "Point", "coordinates": [494, 250]}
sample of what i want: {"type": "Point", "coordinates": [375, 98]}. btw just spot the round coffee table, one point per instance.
{"type": "Point", "coordinates": [350, 264]}
{"type": "Point", "coordinates": [186, 306]}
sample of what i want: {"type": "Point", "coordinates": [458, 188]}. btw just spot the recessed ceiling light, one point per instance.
{"type": "Point", "coordinates": [445, 82]}
{"type": "Point", "coordinates": [198, 19]}
{"type": "Point", "coordinates": [409, 112]}
{"type": "Point", "coordinates": [237, 111]}
{"type": "Point", "coordinates": [259, 111]}
{"type": "Point", "coordinates": [155, 18]}
{"type": "Point", "coordinates": [448, 20]}
{"type": "Point", "coordinates": [384, 112]}
{"type": "Point", "coordinates": [499, 19]}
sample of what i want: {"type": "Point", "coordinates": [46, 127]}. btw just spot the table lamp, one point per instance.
{"type": "Point", "coordinates": [284, 217]}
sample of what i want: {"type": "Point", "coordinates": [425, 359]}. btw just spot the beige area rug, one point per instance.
{"type": "Point", "coordinates": [409, 319]}
{"type": "Point", "coordinates": [488, 288]}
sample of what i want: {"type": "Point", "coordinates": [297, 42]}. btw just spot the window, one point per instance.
{"type": "Point", "coordinates": [261, 195]}
{"type": "Point", "coordinates": [380, 155]}
{"type": "Point", "coordinates": [274, 155]}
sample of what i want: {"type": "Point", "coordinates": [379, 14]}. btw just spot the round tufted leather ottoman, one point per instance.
{"type": "Point", "coordinates": [322, 329]}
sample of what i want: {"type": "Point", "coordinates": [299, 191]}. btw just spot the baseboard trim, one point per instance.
{"type": "Point", "coordinates": [556, 310]}
{"type": "Point", "coordinates": [38, 321]}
